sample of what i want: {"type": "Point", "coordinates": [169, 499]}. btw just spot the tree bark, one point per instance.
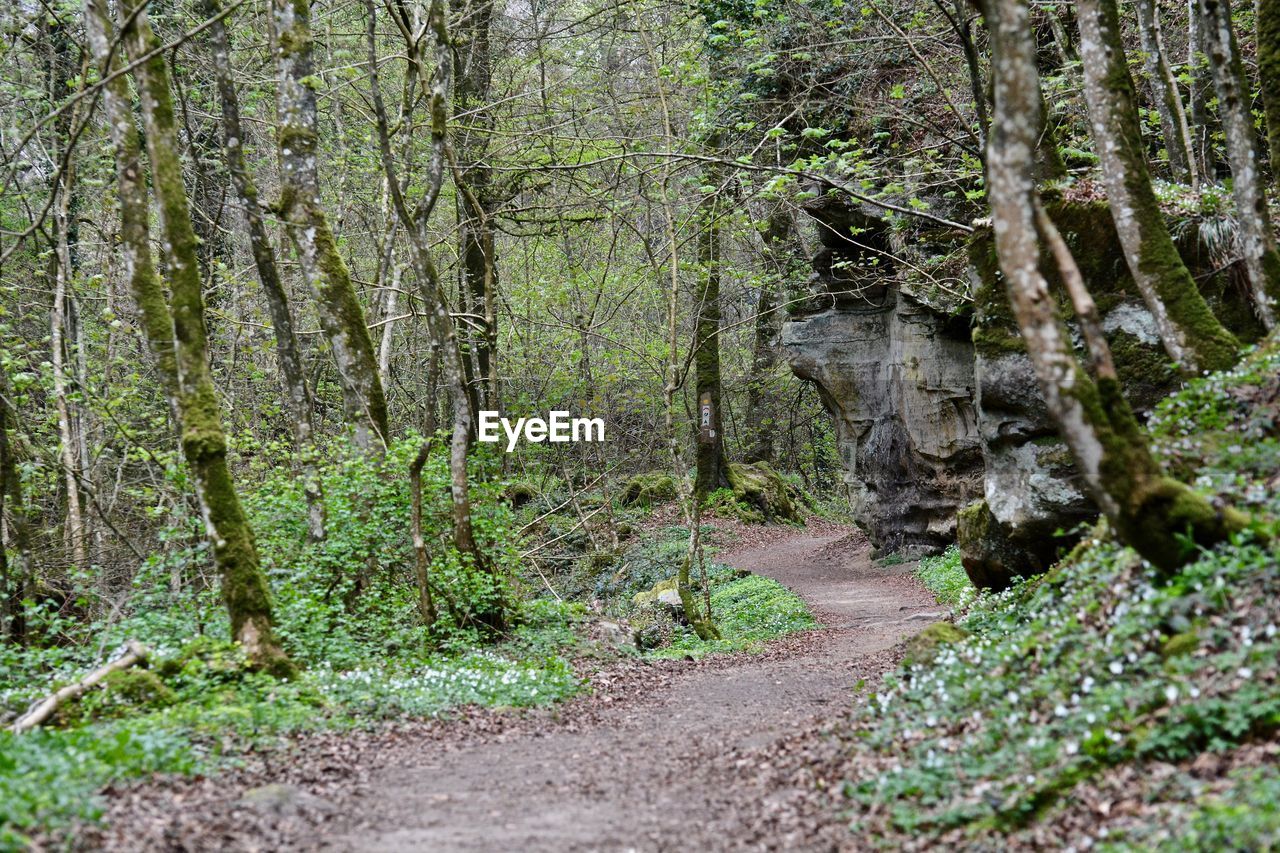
{"type": "Point", "coordinates": [322, 264]}
{"type": "Point", "coordinates": [1164, 90]}
{"type": "Point", "coordinates": [780, 251]}
{"type": "Point", "coordinates": [297, 392]}
{"type": "Point", "coordinates": [1148, 510]}
{"type": "Point", "coordinates": [1254, 221]}
{"type": "Point", "coordinates": [1201, 120]}
{"type": "Point", "coordinates": [473, 77]}
{"type": "Point", "coordinates": [1191, 334]}
{"type": "Point", "coordinates": [712, 467]}
{"type": "Point", "coordinates": [1268, 15]}
{"type": "Point", "coordinates": [244, 588]}
{"type": "Point", "coordinates": [18, 579]}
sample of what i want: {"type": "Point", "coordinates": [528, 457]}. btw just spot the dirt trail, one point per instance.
{"type": "Point", "coordinates": [659, 773]}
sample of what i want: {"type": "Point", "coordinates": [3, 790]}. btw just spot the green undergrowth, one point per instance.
{"type": "Point", "coordinates": [215, 709]}
{"type": "Point", "coordinates": [346, 611]}
{"type": "Point", "coordinates": [748, 611]}
{"type": "Point", "coordinates": [945, 578]}
{"type": "Point", "coordinates": [1065, 680]}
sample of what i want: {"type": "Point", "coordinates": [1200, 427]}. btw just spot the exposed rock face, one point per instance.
{"type": "Point", "coordinates": [897, 376]}
{"type": "Point", "coordinates": [932, 414]}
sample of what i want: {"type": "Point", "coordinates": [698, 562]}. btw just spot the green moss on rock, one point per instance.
{"type": "Point", "coordinates": [647, 489]}
{"type": "Point", "coordinates": [1180, 644]}
{"type": "Point", "coordinates": [763, 488]}
{"type": "Point", "coordinates": [924, 647]}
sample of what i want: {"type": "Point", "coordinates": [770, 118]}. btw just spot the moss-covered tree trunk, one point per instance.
{"type": "Point", "coordinates": [1149, 510]}
{"type": "Point", "coordinates": [1164, 90]}
{"type": "Point", "coordinates": [297, 391]}
{"type": "Point", "coordinates": [1268, 17]}
{"type": "Point", "coordinates": [322, 264]}
{"type": "Point", "coordinates": [1191, 334]}
{"type": "Point", "coordinates": [244, 587]}
{"type": "Point", "coordinates": [712, 467]}
{"type": "Point", "coordinates": [1256, 237]}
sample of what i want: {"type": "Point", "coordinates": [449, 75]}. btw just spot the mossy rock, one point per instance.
{"type": "Point", "coordinates": [923, 647]}
{"type": "Point", "coordinates": [518, 494]}
{"type": "Point", "coordinates": [207, 658]}
{"type": "Point", "coordinates": [725, 504]}
{"type": "Point", "coordinates": [763, 488]}
{"type": "Point", "coordinates": [139, 687]}
{"type": "Point", "coordinates": [1179, 645]}
{"type": "Point", "coordinates": [651, 596]}
{"type": "Point", "coordinates": [648, 489]}
{"type": "Point", "coordinates": [122, 693]}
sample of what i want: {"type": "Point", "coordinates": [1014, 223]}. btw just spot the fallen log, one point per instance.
{"type": "Point", "coordinates": [135, 654]}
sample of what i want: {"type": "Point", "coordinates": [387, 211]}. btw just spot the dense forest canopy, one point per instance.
{"type": "Point", "coordinates": [265, 264]}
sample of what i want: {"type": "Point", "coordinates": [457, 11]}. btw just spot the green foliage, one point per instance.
{"type": "Point", "coordinates": [748, 611]}
{"type": "Point", "coordinates": [946, 578]}
{"type": "Point", "coordinates": [51, 777]}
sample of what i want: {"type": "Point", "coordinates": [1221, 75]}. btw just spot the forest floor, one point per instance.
{"type": "Point", "coordinates": [724, 752]}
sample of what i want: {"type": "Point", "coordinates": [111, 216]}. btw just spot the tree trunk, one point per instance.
{"type": "Point", "coordinates": [75, 535]}
{"type": "Point", "coordinates": [1268, 14]}
{"type": "Point", "coordinates": [1150, 511]}
{"type": "Point", "coordinates": [712, 467]}
{"type": "Point", "coordinates": [440, 325]}
{"type": "Point", "coordinates": [19, 579]}
{"type": "Point", "coordinates": [322, 264]}
{"type": "Point", "coordinates": [1164, 90]}
{"type": "Point", "coordinates": [244, 588]}
{"type": "Point", "coordinates": [1191, 334]}
{"type": "Point", "coordinates": [1256, 237]}
{"type": "Point", "coordinates": [297, 392]}
{"type": "Point", "coordinates": [780, 251]}
{"type": "Point", "coordinates": [477, 203]}
{"type": "Point", "coordinates": [1201, 120]}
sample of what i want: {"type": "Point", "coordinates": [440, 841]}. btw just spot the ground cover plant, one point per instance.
{"type": "Point", "coordinates": [1022, 724]}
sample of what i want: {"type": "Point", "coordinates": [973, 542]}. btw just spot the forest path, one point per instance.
{"type": "Point", "coordinates": [658, 772]}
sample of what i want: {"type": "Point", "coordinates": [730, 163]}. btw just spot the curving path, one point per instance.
{"type": "Point", "coordinates": [678, 768]}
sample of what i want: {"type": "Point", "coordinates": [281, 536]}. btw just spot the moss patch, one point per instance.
{"type": "Point", "coordinates": [923, 647]}
{"type": "Point", "coordinates": [648, 489]}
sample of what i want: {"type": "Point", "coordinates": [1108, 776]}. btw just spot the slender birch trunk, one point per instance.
{"type": "Point", "coordinates": [1168, 99]}
{"type": "Point", "coordinates": [322, 264]}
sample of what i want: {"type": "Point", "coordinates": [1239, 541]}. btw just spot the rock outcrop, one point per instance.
{"type": "Point", "coordinates": [940, 424]}
{"type": "Point", "coordinates": [897, 376]}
